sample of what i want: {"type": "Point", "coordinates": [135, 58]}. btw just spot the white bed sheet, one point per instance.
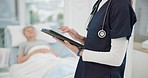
{"type": "Point", "coordinates": [43, 65]}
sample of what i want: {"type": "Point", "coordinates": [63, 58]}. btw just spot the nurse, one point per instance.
{"type": "Point", "coordinates": [105, 46]}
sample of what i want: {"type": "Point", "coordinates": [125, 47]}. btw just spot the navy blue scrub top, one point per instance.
{"type": "Point", "coordinates": [121, 19]}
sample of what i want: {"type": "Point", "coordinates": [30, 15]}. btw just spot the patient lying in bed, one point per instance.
{"type": "Point", "coordinates": [32, 46]}
{"type": "Point", "coordinates": [36, 59]}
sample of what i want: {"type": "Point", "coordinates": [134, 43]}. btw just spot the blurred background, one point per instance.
{"type": "Point", "coordinates": [74, 14]}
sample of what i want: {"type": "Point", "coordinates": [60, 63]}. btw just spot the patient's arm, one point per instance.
{"type": "Point", "coordinates": [51, 51]}
{"type": "Point", "coordinates": [23, 58]}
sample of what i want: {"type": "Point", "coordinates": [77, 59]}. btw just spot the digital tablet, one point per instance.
{"type": "Point", "coordinates": [61, 37]}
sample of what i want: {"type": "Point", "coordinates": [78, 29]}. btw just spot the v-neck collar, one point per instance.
{"type": "Point", "coordinates": [102, 3]}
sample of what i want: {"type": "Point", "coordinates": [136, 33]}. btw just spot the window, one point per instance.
{"type": "Point", "coordinates": [8, 11]}
{"type": "Point", "coordinates": [44, 11]}
{"type": "Point", "coordinates": [8, 16]}
{"type": "Point", "coordinates": [141, 27]}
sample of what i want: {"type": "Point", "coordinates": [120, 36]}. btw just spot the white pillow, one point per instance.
{"type": "Point", "coordinates": [17, 36]}
{"type": "Point", "coordinates": [145, 44]}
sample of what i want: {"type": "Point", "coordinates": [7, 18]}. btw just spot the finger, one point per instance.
{"type": "Point", "coordinates": [64, 29]}
{"type": "Point", "coordinates": [59, 40]}
{"type": "Point", "coordinates": [73, 31]}
{"type": "Point", "coordinates": [67, 43]}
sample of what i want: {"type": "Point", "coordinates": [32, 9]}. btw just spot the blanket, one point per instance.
{"type": "Point", "coordinates": [44, 66]}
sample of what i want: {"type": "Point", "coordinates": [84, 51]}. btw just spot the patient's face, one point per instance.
{"type": "Point", "coordinates": [30, 33]}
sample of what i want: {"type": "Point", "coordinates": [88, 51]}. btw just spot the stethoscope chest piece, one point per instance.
{"type": "Point", "coordinates": [102, 33]}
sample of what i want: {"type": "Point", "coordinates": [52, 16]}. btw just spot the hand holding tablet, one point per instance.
{"type": "Point", "coordinates": [61, 37]}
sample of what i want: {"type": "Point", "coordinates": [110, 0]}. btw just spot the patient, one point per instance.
{"type": "Point", "coordinates": [37, 60]}
{"type": "Point", "coordinates": [32, 46]}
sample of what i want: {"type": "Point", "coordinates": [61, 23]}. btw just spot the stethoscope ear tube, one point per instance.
{"type": "Point", "coordinates": [95, 7]}
{"type": "Point", "coordinates": [102, 32]}
{"type": "Point", "coordinates": [105, 16]}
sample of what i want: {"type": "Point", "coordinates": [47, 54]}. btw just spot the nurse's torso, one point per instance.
{"type": "Point", "coordinates": [94, 43]}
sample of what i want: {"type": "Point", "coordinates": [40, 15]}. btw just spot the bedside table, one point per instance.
{"type": "Point", "coordinates": [4, 66]}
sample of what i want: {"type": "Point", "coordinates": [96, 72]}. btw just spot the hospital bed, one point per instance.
{"type": "Point", "coordinates": [12, 38]}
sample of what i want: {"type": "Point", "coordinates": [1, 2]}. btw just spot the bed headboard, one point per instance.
{"type": "Point", "coordinates": [7, 38]}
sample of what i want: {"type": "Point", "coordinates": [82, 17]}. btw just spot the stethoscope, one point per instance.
{"type": "Point", "coordinates": [102, 32]}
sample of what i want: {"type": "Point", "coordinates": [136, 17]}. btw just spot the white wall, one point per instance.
{"type": "Point", "coordinates": [140, 59]}
{"type": "Point", "coordinates": [76, 14]}
{"type": "Point", "coordinates": [140, 64]}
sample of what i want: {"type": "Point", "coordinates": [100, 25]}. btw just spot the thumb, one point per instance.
{"type": "Point", "coordinates": [67, 43]}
